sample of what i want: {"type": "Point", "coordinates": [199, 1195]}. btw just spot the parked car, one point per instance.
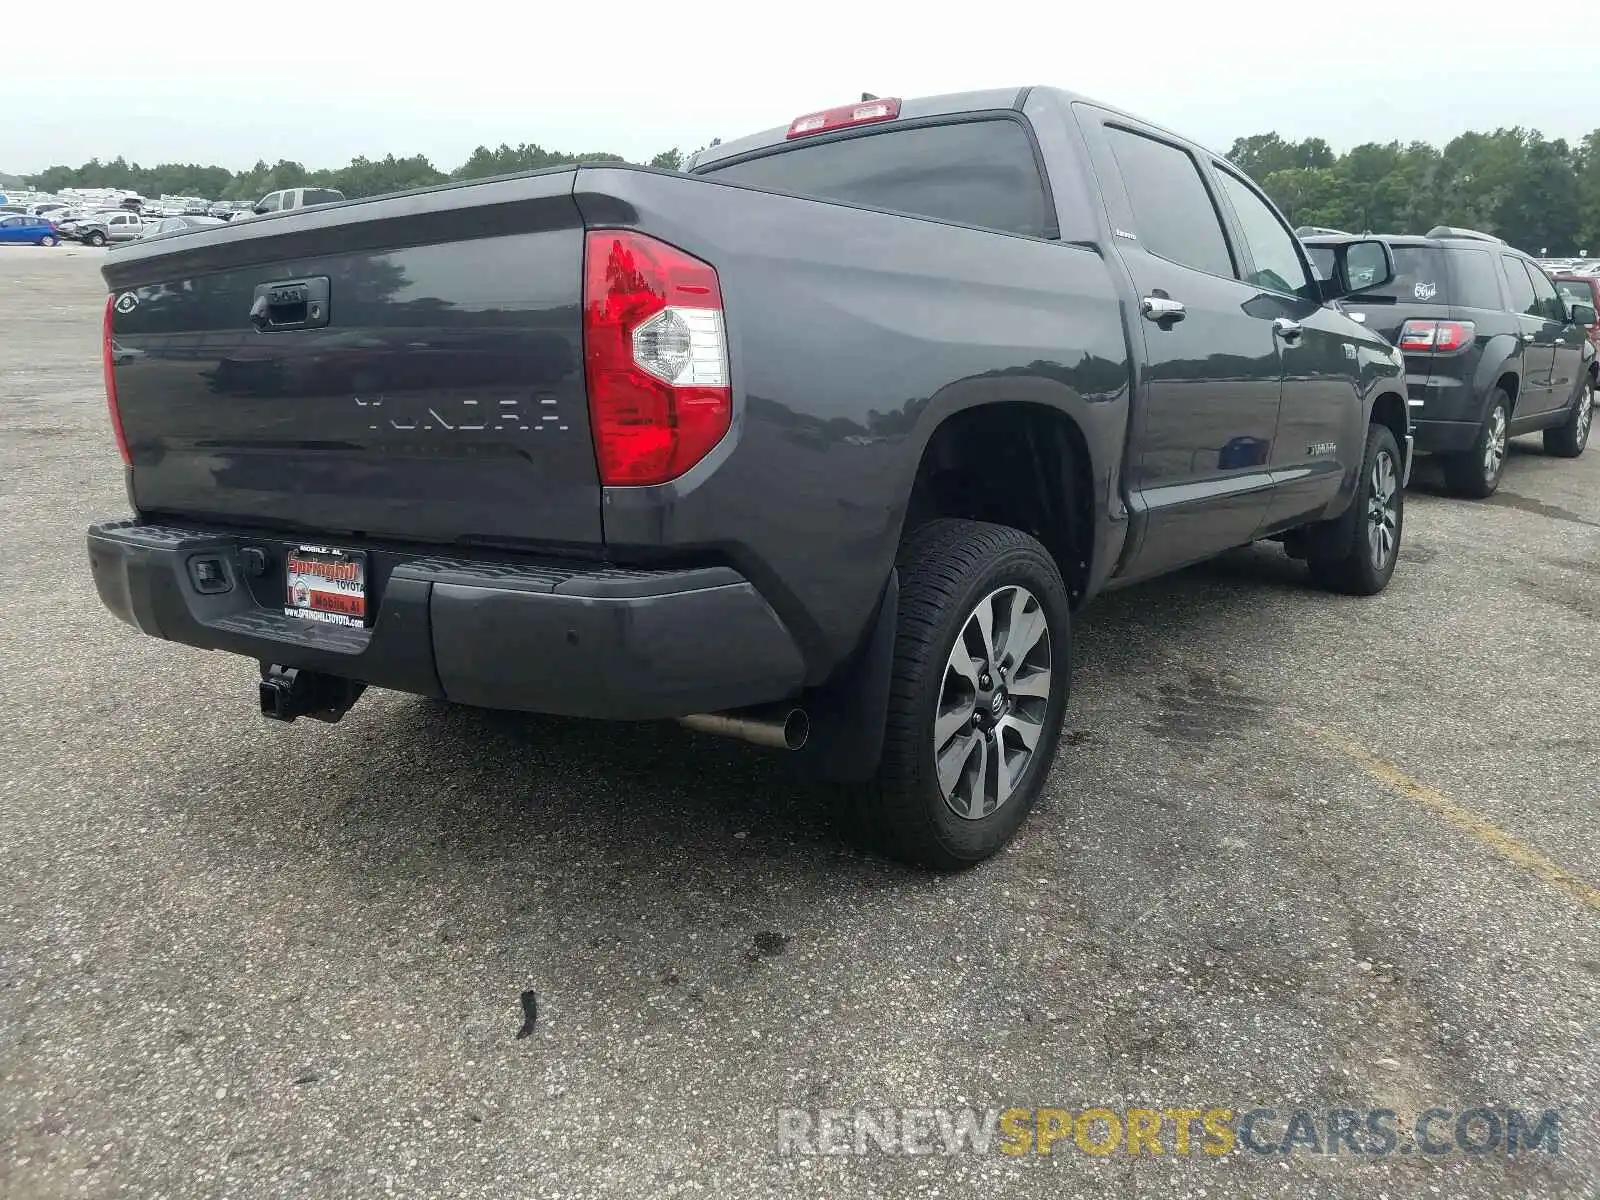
{"type": "Point", "coordinates": [101, 228]}
{"type": "Point", "coordinates": [1492, 350]}
{"type": "Point", "coordinates": [179, 225]}
{"type": "Point", "coordinates": [820, 444]}
{"type": "Point", "coordinates": [292, 198]}
{"type": "Point", "coordinates": [29, 231]}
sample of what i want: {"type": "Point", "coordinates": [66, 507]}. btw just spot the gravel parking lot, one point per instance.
{"type": "Point", "coordinates": [1299, 852]}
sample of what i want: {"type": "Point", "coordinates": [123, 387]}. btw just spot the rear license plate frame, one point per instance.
{"type": "Point", "coordinates": [328, 584]}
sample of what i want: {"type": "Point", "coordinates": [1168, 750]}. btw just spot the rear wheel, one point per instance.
{"type": "Point", "coordinates": [1365, 544]}
{"type": "Point", "coordinates": [1568, 439]}
{"type": "Point", "coordinates": [1475, 473]}
{"type": "Point", "coordinates": [47, 240]}
{"type": "Point", "coordinates": [981, 666]}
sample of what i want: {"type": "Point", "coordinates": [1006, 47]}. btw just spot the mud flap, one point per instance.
{"type": "Point", "coordinates": [848, 714]}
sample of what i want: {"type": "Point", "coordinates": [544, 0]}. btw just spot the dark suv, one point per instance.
{"type": "Point", "coordinates": [1492, 349]}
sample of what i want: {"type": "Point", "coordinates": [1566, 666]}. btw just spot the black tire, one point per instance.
{"type": "Point", "coordinates": [96, 238]}
{"type": "Point", "coordinates": [1472, 473]}
{"type": "Point", "coordinates": [1568, 439]}
{"type": "Point", "coordinates": [947, 568]}
{"type": "Point", "coordinates": [1362, 547]}
{"type": "Point", "coordinates": [48, 239]}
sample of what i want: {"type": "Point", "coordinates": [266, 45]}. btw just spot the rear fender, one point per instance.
{"type": "Point", "coordinates": [1501, 356]}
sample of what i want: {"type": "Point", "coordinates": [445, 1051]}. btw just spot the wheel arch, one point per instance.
{"type": "Point", "coordinates": [1389, 409]}
{"type": "Point", "coordinates": [1023, 463]}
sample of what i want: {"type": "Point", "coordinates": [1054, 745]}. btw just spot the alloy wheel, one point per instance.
{"type": "Point", "coordinates": [992, 702]}
{"type": "Point", "coordinates": [1383, 510]}
{"type": "Point", "coordinates": [1585, 416]}
{"type": "Point", "coordinates": [1494, 451]}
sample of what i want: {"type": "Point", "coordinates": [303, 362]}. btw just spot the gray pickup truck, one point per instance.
{"type": "Point", "coordinates": [819, 444]}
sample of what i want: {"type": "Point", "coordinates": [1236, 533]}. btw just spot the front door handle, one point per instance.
{"type": "Point", "coordinates": [1288, 330]}
{"type": "Point", "coordinates": [1528, 337]}
{"type": "Point", "coordinates": [1163, 310]}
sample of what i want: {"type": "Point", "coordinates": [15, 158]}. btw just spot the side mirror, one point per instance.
{"type": "Point", "coordinates": [1582, 314]}
{"type": "Point", "coordinates": [260, 210]}
{"type": "Point", "coordinates": [1359, 266]}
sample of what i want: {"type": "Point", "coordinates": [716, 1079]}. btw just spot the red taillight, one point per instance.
{"type": "Point", "coordinates": [1435, 337]}
{"type": "Point", "coordinates": [865, 113]}
{"type": "Point", "coordinates": [108, 364]}
{"type": "Point", "coordinates": [655, 356]}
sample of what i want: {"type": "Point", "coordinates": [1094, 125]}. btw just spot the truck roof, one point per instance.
{"type": "Point", "coordinates": [926, 106]}
{"type": "Point", "coordinates": [947, 104]}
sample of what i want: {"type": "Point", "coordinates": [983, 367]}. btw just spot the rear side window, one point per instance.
{"type": "Point", "coordinates": [1473, 282]}
{"type": "Point", "coordinates": [974, 172]}
{"type": "Point", "coordinates": [1522, 298]}
{"type": "Point", "coordinates": [1171, 205]}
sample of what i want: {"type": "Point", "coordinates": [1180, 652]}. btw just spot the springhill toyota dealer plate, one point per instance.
{"type": "Point", "coordinates": [325, 584]}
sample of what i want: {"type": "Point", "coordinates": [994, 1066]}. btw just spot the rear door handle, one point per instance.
{"type": "Point", "coordinates": [1288, 330]}
{"type": "Point", "coordinates": [1163, 310]}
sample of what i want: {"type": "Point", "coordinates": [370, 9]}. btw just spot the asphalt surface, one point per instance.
{"type": "Point", "coordinates": [243, 959]}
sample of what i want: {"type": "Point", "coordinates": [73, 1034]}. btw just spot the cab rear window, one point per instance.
{"type": "Point", "coordinates": [972, 172]}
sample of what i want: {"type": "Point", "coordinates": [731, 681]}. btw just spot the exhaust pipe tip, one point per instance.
{"type": "Point", "coordinates": [779, 728]}
{"type": "Point", "coordinates": [796, 729]}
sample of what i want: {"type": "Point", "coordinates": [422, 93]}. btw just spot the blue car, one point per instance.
{"type": "Point", "coordinates": [32, 231]}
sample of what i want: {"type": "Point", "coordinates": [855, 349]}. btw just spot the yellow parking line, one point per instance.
{"type": "Point", "coordinates": [1508, 847]}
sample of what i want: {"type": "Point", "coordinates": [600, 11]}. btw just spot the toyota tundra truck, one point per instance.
{"type": "Point", "coordinates": [821, 443]}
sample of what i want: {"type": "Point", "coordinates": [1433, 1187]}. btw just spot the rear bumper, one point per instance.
{"type": "Point", "coordinates": [550, 636]}
{"type": "Point", "coordinates": [1444, 437]}
{"type": "Point", "coordinates": [1445, 413]}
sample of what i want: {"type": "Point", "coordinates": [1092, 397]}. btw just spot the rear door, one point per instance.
{"type": "Point", "coordinates": [1203, 441]}
{"type": "Point", "coordinates": [1539, 335]}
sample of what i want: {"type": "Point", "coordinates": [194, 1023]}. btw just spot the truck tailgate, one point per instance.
{"type": "Point", "coordinates": [409, 367]}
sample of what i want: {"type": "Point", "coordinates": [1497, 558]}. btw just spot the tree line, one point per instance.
{"type": "Point", "coordinates": [1538, 194]}
{"type": "Point", "coordinates": [361, 177]}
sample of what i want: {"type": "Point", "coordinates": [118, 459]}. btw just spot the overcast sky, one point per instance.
{"type": "Point", "coordinates": [231, 81]}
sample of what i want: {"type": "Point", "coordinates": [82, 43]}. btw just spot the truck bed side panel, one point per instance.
{"type": "Point", "coordinates": [853, 334]}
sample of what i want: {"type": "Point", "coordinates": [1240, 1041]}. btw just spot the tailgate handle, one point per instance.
{"type": "Point", "coordinates": [290, 304]}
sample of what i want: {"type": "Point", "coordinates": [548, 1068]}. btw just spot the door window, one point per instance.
{"type": "Point", "coordinates": [1277, 263]}
{"type": "Point", "coordinates": [1523, 299]}
{"type": "Point", "coordinates": [1175, 216]}
{"type": "Point", "coordinates": [1551, 307]}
